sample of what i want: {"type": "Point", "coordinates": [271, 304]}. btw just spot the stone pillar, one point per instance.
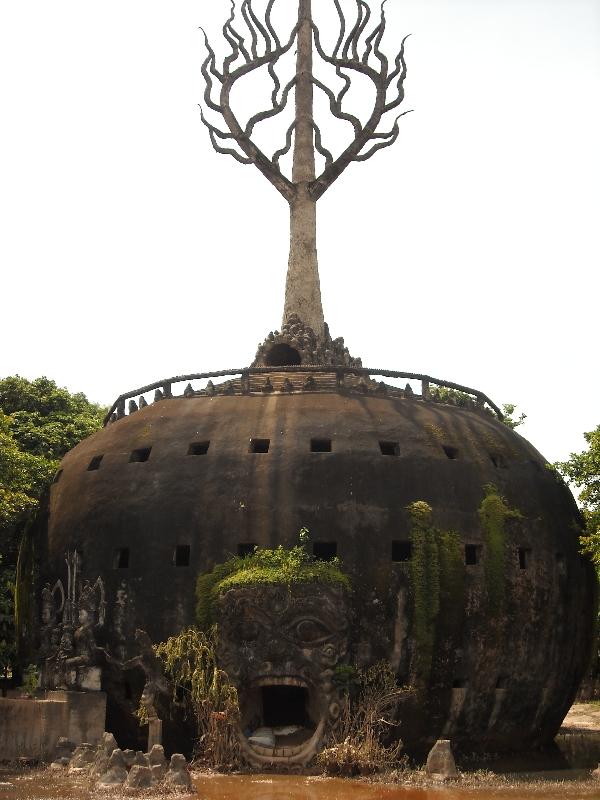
{"type": "Point", "coordinates": [154, 733]}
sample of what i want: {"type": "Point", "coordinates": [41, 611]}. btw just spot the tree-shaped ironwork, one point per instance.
{"type": "Point", "coordinates": [356, 51]}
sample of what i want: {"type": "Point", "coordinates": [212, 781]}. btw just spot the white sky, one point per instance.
{"type": "Point", "coordinates": [130, 251]}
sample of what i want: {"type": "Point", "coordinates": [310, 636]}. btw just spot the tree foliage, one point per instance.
{"type": "Point", "coordinates": [583, 471]}
{"type": "Point", "coordinates": [509, 410]}
{"type": "Point", "coordinates": [39, 423]}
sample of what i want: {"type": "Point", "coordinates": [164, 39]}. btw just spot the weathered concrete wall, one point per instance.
{"type": "Point", "coordinates": [30, 728]}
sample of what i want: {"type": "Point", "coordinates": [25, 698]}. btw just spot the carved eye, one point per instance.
{"type": "Point", "coordinates": [310, 631]}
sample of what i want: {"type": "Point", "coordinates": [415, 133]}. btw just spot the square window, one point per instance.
{"type": "Point", "coordinates": [320, 445]}
{"type": "Point", "coordinates": [95, 463]}
{"type": "Point", "coordinates": [389, 448]}
{"type": "Point", "coordinates": [459, 683]}
{"type": "Point", "coordinates": [259, 445]}
{"type": "Point", "coordinates": [472, 554]}
{"type": "Point", "coordinates": [198, 448]}
{"type": "Point", "coordinates": [401, 551]}
{"type": "Point", "coordinates": [524, 557]}
{"type": "Point", "coordinates": [246, 549]}
{"type": "Point", "coordinates": [181, 555]}
{"type": "Point", "coordinates": [324, 551]}
{"type": "Point", "coordinates": [451, 452]}
{"type": "Point", "coordinates": [121, 558]}
{"type": "Point", "coordinates": [143, 454]}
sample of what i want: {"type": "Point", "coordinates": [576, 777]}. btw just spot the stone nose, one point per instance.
{"type": "Point", "coordinates": [276, 649]}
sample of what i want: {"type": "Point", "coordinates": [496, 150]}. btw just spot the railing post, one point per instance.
{"type": "Point", "coordinates": [245, 382]}
{"type": "Point", "coordinates": [339, 378]}
{"type": "Point", "coordinates": [167, 390]}
{"type": "Point", "coordinates": [121, 409]}
{"type": "Point", "coordinates": [425, 389]}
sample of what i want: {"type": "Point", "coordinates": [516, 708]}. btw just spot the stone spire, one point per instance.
{"type": "Point", "coordinates": [302, 287]}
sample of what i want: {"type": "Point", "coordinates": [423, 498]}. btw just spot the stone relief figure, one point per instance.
{"type": "Point", "coordinates": [49, 634]}
{"type": "Point", "coordinates": [148, 662]}
{"type": "Point", "coordinates": [119, 622]}
{"type": "Point", "coordinates": [70, 630]}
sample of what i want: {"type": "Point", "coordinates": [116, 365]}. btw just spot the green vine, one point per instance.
{"type": "Point", "coordinates": [493, 513]}
{"type": "Point", "coordinates": [279, 566]}
{"type": "Point", "coordinates": [437, 580]}
{"type": "Point", "coordinates": [425, 574]}
{"type": "Point", "coordinates": [190, 662]}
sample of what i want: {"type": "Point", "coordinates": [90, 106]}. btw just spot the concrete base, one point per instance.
{"type": "Point", "coordinates": [31, 727]}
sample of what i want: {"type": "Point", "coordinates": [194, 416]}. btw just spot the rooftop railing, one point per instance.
{"type": "Point", "coordinates": [257, 380]}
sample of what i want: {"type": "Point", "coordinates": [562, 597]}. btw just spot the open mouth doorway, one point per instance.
{"type": "Point", "coordinates": [284, 705]}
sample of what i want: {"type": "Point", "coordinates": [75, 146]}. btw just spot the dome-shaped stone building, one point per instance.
{"type": "Point", "coordinates": [461, 545]}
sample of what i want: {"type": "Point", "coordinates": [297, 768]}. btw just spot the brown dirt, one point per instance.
{"type": "Point", "coordinates": [582, 717]}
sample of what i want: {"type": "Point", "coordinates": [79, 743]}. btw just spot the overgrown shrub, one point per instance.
{"type": "Point", "coordinates": [358, 742]}
{"type": "Point", "coordinates": [190, 662]}
{"type": "Point", "coordinates": [264, 566]}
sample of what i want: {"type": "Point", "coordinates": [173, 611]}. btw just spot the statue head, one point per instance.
{"type": "Point", "coordinates": [279, 646]}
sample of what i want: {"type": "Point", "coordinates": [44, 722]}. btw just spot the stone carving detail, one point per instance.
{"type": "Point", "coordinates": [147, 661]}
{"type": "Point", "coordinates": [280, 635]}
{"type": "Point", "coordinates": [70, 631]}
{"type": "Point", "coordinates": [311, 348]}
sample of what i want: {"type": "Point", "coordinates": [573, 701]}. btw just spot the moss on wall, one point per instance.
{"type": "Point", "coordinates": [437, 583]}
{"type": "Point", "coordinates": [493, 513]}
{"type": "Point", "coordinates": [279, 566]}
{"type": "Point", "coordinates": [24, 594]}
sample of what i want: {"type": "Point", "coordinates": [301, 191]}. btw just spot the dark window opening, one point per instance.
{"type": "Point", "coordinates": [181, 555]}
{"type": "Point", "coordinates": [472, 554]}
{"type": "Point", "coordinates": [502, 682]}
{"type": "Point", "coordinates": [282, 355]}
{"type": "Point", "coordinates": [128, 691]}
{"type": "Point", "coordinates": [198, 448]}
{"type": "Point", "coordinates": [121, 559]}
{"type": "Point", "coordinates": [459, 683]}
{"type": "Point", "coordinates": [95, 463]}
{"type": "Point", "coordinates": [57, 476]}
{"type": "Point", "coordinates": [284, 705]}
{"type": "Point", "coordinates": [246, 549]}
{"type": "Point", "coordinates": [498, 460]}
{"type": "Point", "coordinates": [324, 551]}
{"type": "Point", "coordinates": [259, 445]}
{"type": "Point", "coordinates": [389, 448]}
{"type": "Point", "coordinates": [320, 445]}
{"type": "Point", "coordinates": [142, 454]}
{"type": "Point", "coordinates": [401, 551]}
{"type": "Point", "coordinates": [451, 452]}
{"type": "Point", "coordinates": [524, 557]}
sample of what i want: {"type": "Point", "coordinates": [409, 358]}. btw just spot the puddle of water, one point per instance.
{"type": "Point", "coordinates": [47, 785]}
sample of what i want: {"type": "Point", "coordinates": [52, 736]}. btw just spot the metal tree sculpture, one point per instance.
{"type": "Point", "coordinates": [356, 51]}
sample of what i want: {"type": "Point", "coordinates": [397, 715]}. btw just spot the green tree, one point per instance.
{"type": "Point", "coordinates": [583, 471]}
{"type": "Point", "coordinates": [39, 423]}
{"type": "Point", "coordinates": [508, 410]}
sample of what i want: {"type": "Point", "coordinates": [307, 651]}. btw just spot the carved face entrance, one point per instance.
{"type": "Point", "coordinates": [285, 705]}
{"type": "Point", "coordinates": [280, 646]}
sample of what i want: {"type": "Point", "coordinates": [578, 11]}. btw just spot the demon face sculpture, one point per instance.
{"type": "Point", "coordinates": [280, 646]}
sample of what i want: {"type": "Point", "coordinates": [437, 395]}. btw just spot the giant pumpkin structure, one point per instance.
{"type": "Point", "coordinates": [460, 545]}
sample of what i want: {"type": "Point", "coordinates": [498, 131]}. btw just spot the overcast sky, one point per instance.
{"type": "Point", "coordinates": [130, 251]}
